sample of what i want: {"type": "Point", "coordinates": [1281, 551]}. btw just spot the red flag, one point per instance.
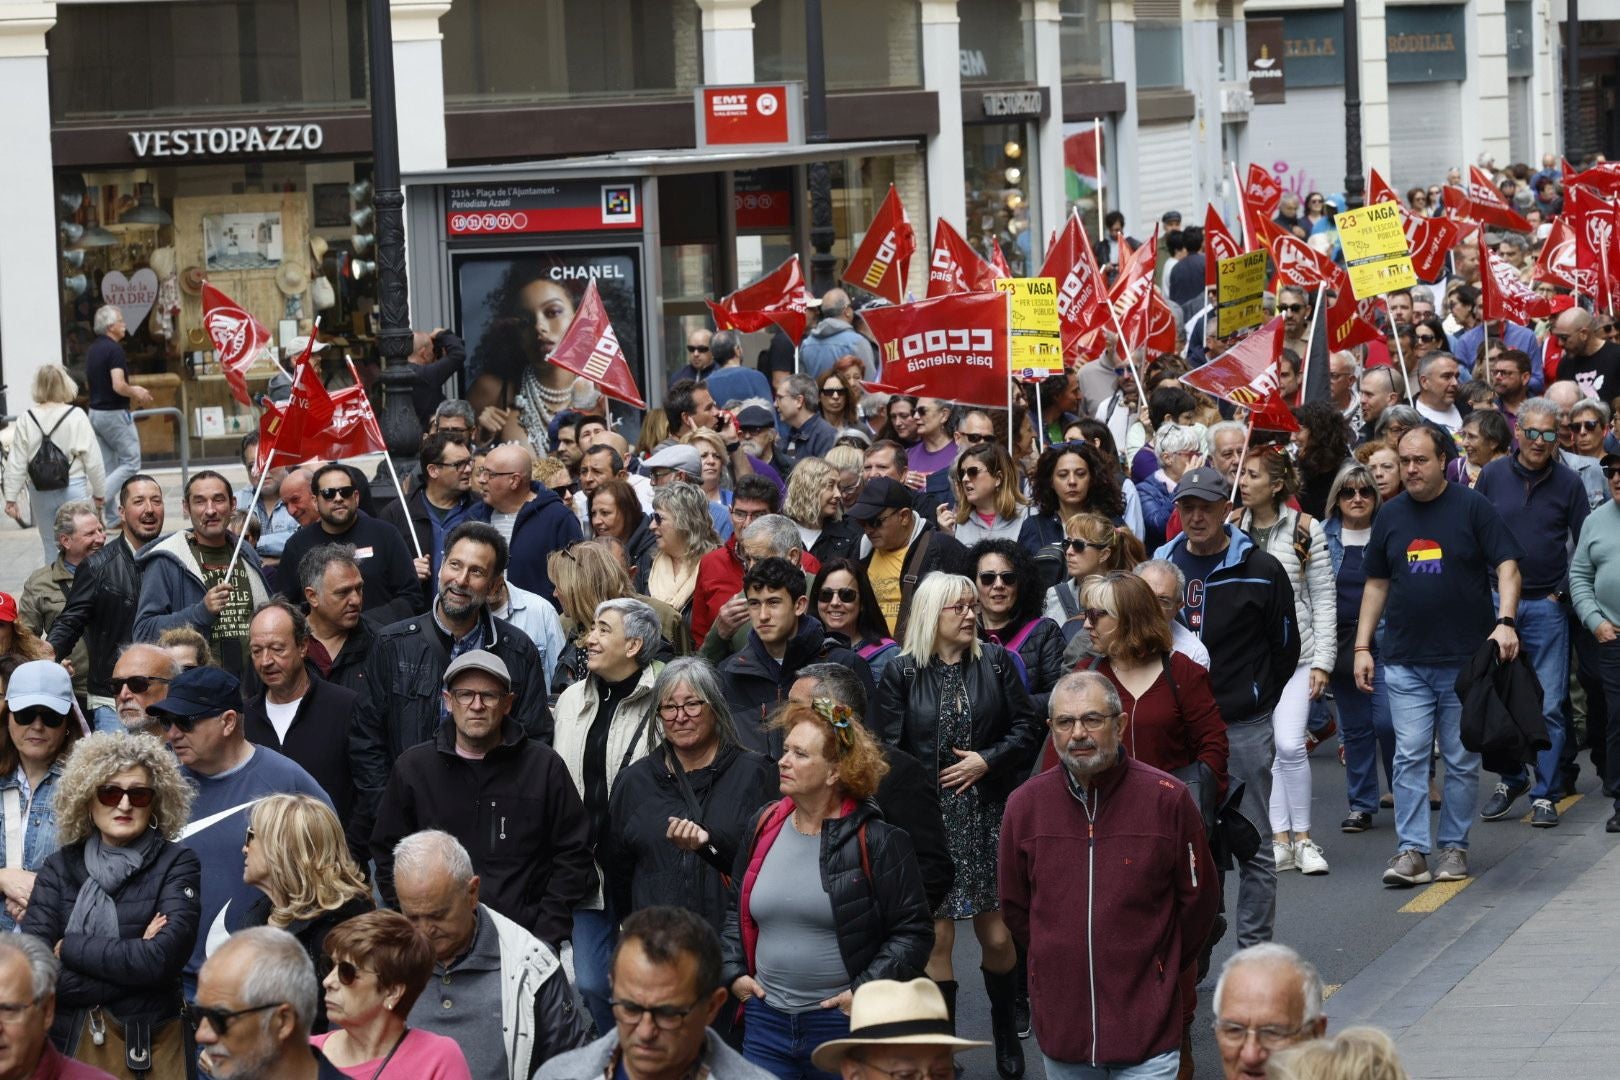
{"type": "Point", "coordinates": [1481, 202]}
{"type": "Point", "coordinates": [952, 347]}
{"type": "Point", "coordinates": [1428, 239]}
{"type": "Point", "coordinates": [1378, 190]}
{"type": "Point", "coordinates": [591, 349]}
{"type": "Point", "coordinates": [351, 432]}
{"type": "Point", "coordinates": [880, 265]}
{"type": "Point", "coordinates": [1298, 263]}
{"type": "Point", "coordinates": [1130, 297]}
{"type": "Point", "coordinates": [307, 413]}
{"type": "Point", "coordinates": [1350, 321]}
{"type": "Point", "coordinates": [1161, 326]}
{"type": "Point", "coordinates": [779, 297]}
{"type": "Point", "coordinates": [1592, 219]}
{"type": "Point", "coordinates": [237, 336]}
{"type": "Point", "coordinates": [1603, 176]}
{"type": "Point", "coordinates": [1219, 243]}
{"type": "Point", "coordinates": [999, 261]}
{"type": "Point", "coordinates": [1247, 375]}
{"type": "Point", "coordinates": [1263, 192]}
{"type": "Point", "coordinates": [1504, 295]}
{"type": "Point", "coordinates": [1558, 263]}
{"type": "Point", "coordinates": [955, 267]}
{"type": "Point", "coordinates": [1072, 264]}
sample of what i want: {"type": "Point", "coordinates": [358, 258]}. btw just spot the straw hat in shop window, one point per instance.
{"type": "Point", "coordinates": [191, 280]}
{"type": "Point", "coordinates": [292, 279]}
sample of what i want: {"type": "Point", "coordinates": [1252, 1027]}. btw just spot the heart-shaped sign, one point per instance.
{"type": "Point", "coordinates": [133, 295]}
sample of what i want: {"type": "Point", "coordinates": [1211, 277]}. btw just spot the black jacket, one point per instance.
{"type": "Point", "coordinates": [400, 709]}
{"type": "Point", "coordinates": [839, 539]}
{"type": "Point", "coordinates": [1041, 652]}
{"type": "Point", "coordinates": [641, 549]}
{"type": "Point", "coordinates": [884, 927]}
{"type": "Point", "coordinates": [1501, 709]}
{"type": "Point", "coordinates": [755, 684]}
{"type": "Point", "coordinates": [428, 390]}
{"type": "Point", "coordinates": [349, 665]}
{"type": "Point", "coordinates": [311, 934]}
{"type": "Point", "coordinates": [101, 607]}
{"type": "Point", "coordinates": [132, 978]}
{"type": "Point", "coordinates": [1006, 728]}
{"type": "Point", "coordinates": [908, 797]}
{"type": "Point", "coordinates": [385, 564]}
{"type": "Point", "coordinates": [518, 814]}
{"type": "Point", "coordinates": [931, 551]}
{"type": "Point", "coordinates": [641, 868]}
{"type": "Point", "coordinates": [319, 741]}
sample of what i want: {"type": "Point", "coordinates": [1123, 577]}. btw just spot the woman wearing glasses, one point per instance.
{"type": "Point", "coordinates": [1316, 211]}
{"type": "Point", "coordinates": [815, 503]}
{"type": "Point", "coordinates": [1091, 545]}
{"type": "Point", "coordinates": [1010, 603]}
{"type": "Point", "coordinates": [1485, 436]}
{"type": "Point", "coordinates": [616, 514]}
{"type": "Point", "coordinates": [1428, 336]}
{"type": "Point", "coordinates": [988, 502]}
{"type": "Point", "coordinates": [685, 531]}
{"type": "Point", "coordinates": [842, 600]}
{"type": "Point", "coordinates": [1364, 720]}
{"type": "Point", "coordinates": [294, 853]}
{"type": "Point", "coordinates": [120, 901]}
{"type": "Point", "coordinates": [375, 967]}
{"type": "Point", "coordinates": [1069, 478]}
{"type": "Point", "coordinates": [957, 705]}
{"type": "Point", "coordinates": [839, 407]}
{"type": "Point", "coordinates": [35, 742]}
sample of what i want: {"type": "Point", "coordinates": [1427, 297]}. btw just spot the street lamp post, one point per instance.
{"type": "Point", "coordinates": [818, 176]}
{"type": "Point", "coordinates": [1354, 185]}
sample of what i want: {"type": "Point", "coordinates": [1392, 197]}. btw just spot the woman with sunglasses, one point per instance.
{"type": "Point", "coordinates": [841, 598]}
{"type": "Point", "coordinates": [295, 854]}
{"type": "Point", "coordinates": [1011, 599]}
{"type": "Point", "coordinates": [988, 502]}
{"type": "Point", "coordinates": [1364, 719]}
{"type": "Point", "coordinates": [1485, 436]}
{"type": "Point", "coordinates": [685, 531]}
{"type": "Point", "coordinates": [1316, 211]}
{"type": "Point", "coordinates": [1091, 545]}
{"type": "Point", "coordinates": [375, 966]}
{"type": "Point", "coordinates": [1588, 424]}
{"type": "Point", "coordinates": [1428, 336]}
{"type": "Point", "coordinates": [1418, 200]}
{"type": "Point", "coordinates": [815, 503]}
{"type": "Point", "coordinates": [616, 514]}
{"type": "Point", "coordinates": [35, 743]}
{"type": "Point", "coordinates": [957, 704]}
{"type": "Point", "coordinates": [838, 405]}
{"type": "Point", "coordinates": [120, 901]}
{"type": "Point", "coordinates": [1293, 538]}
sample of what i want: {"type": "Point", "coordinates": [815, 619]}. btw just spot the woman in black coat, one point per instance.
{"type": "Point", "coordinates": [120, 903]}
{"type": "Point", "coordinates": [1011, 599]}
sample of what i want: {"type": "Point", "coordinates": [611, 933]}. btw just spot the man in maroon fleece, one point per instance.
{"type": "Point", "coordinates": [1107, 883]}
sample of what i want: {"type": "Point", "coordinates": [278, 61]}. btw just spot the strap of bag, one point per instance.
{"type": "Point", "coordinates": [65, 414]}
{"type": "Point", "coordinates": [1016, 642]}
{"type": "Point", "coordinates": [12, 798]}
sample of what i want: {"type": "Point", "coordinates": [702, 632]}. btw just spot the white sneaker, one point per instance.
{"type": "Point", "coordinates": [1283, 856]}
{"type": "Point", "coordinates": [1308, 857]}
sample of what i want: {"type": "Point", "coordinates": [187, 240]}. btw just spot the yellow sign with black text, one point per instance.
{"type": "Point", "coordinates": [1375, 253]}
{"type": "Point", "coordinates": [1035, 338]}
{"type": "Point", "coordinates": [1240, 290]}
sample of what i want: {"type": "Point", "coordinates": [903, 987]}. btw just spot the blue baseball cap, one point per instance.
{"type": "Point", "coordinates": [198, 694]}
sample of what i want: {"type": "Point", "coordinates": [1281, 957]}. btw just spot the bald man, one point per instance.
{"type": "Point", "coordinates": [605, 459]}
{"type": "Point", "coordinates": [1592, 362]}
{"type": "Point", "coordinates": [531, 517]}
{"type": "Point", "coordinates": [835, 338]}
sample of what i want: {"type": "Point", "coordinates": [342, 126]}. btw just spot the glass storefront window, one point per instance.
{"type": "Point", "coordinates": [122, 59]}
{"type": "Point", "coordinates": [1158, 56]}
{"type": "Point", "coordinates": [868, 42]}
{"type": "Point", "coordinates": [1086, 40]}
{"type": "Point", "coordinates": [554, 50]}
{"type": "Point", "coordinates": [997, 42]}
{"type": "Point", "coordinates": [1001, 192]}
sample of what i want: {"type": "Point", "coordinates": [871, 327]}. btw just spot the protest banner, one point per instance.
{"type": "Point", "coordinates": [1376, 256]}
{"type": "Point", "coordinates": [1035, 343]}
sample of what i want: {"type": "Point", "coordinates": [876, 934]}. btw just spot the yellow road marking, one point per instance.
{"type": "Point", "coordinates": [1430, 899]}
{"type": "Point", "coordinates": [1563, 805]}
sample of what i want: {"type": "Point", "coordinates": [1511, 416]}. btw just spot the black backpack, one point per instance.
{"type": "Point", "coordinates": [48, 469]}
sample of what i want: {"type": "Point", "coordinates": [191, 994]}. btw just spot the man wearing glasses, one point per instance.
{"type": "Point", "coordinates": [442, 502]}
{"type": "Point", "coordinates": [385, 562]}
{"type": "Point", "coordinates": [1267, 999]}
{"type": "Point", "coordinates": [255, 1004]}
{"type": "Point", "coordinates": [1295, 308]}
{"type": "Point", "coordinates": [1590, 360]}
{"type": "Point", "coordinates": [699, 358]}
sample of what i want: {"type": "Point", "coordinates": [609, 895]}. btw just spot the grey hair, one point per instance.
{"type": "Point", "coordinates": [834, 303]}
{"type": "Point", "coordinates": [1079, 682]}
{"type": "Point", "coordinates": [1174, 438]}
{"type": "Point", "coordinates": [801, 385]}
{"type": "Point", "coordinates": [1432, 359]}
{"type": "Point", "coordinates": [459, 409]}
{"type": "Point", "coordinates": [1399, 414]}
{"type": "Point", "coordinates": [1226, 427]}
{"type": "Point", "coordinates": [69, 512]}
{"type": "Point", "coordinates": [640, 622]}
{"type": "Point", "coordinates": [281, 973]}
{"type": "Point", "coordinates": [1168, 567]}
{"type": "Point", "coordinates": [1541, 406]}
{"type": "Point", "coordinates": [423, 852]}
{"type": "Point", "coordinates": [1275, 954]}
{"type": "Point", "coordinates": [700, 677]}
{"type": "Point", "coordinates": [839, 683]}
{"type": "Point", "coordinates": [156, 650]}
{"type": "Point", "coordinates": [318, 560]}
{"type": "Point", "coordinates": [1591, 405]}
{"type": "Point", "coordinates": [43, 966]}
{"type": "Point", "coordinates": [778, 530]}
{"type": "Point", "coordinates": [106, 316]}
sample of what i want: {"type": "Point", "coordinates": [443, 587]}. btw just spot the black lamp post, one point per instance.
{"type": "Point", "coordinates": [1572, 84]}
{"type": "Point", "coordinates": [400, 428]}
{"type": "Point", "coordinates": [1354, 185]}
{"type": "Point", "coordinates": [819, 178]}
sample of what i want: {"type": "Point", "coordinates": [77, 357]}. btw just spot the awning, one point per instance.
{"type": "Point", "coordinates": [665, 162]}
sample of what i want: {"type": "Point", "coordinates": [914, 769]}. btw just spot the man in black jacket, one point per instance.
{"type": "Point", "coordinates": [339, 639]}
{"type": "Point", "coordinates": [507, 798]}
{"type": "Point", "coordinates": [402, 705]}
{"type": "Point", "coordinates": [784, 639]}
{"type": "Point", "coordinates": [385, 561]}
{"type": "Point", "coordinates": [107, 588]}
{"type": "Point", "coordinates": [443, 501]}
{"type": "Point", "coordinates": [906, 547]}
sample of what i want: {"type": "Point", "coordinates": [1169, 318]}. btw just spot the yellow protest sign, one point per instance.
{"type": "Point", "coordinates": [1240, 289]}
{"type": "Point", "coordinates": [1036, 335]}
{"type": "Point", "coordinates": [1375, 253]}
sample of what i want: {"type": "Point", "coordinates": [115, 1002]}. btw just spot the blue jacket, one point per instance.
{"type": "Point", "coordinates": [544, 524]}
{"type": "Point", "coordinates": [172, 587]}
{"type": "Point", "coordinates": [39, 826]}
{"type": "Point", "coordinates": [1465, 347]}
{"type": "Point", "coordinates": [1158, 502]}
{"type": "Point", "coordinates": [1545, 511]}
{"type": "Point", "coordinates": [832, 340]}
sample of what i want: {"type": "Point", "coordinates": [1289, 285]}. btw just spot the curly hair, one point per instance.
{"type": "Point", "coordinates": [1327, 438]}
{"type": "Point", "coordinates": [845, 743]}
{"type": "Point", "coordinates": [310, 870]}
{"type": "Point", "coordinates": [686, 507]}
{"type": "Point", "coordinates": [805, 482]}
{"type": "Point", "coordinates": [1104, 494]}
{"type": "Point", "coordinates": [98, 757]}
{"type": "Point", "coordinates": [1031, 590]}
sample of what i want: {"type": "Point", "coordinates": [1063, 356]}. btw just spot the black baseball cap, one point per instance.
{"type": "Point", "coordinates": [1203, 483]}
{"type": "Point", "coordinates": [880, 493]}
{"type": "Point", "coordinates": [199, 693]}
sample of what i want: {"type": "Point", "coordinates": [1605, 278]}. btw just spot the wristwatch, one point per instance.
{"type": "Point", "coordinates": [1507, 622]}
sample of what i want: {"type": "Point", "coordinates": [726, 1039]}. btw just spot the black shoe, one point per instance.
{"type": "Point", "coordinates": [1009, 1052]}
{"type": "Point", "coordinates": [1500, 804]}
{"type": "Point", "coordinates": [1357, 821]}
{"type": "Point", "coordinates": [1543, 814]}
{"type": "Point", "coordinates": [1614, 823]}
{"type": "Point", "coordinates": [1021, 1015]}
{"type": "Point", "coordinates": [1216, 932]}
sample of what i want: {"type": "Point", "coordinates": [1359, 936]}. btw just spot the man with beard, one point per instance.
{"type": "Point", "coordinates": [1124, 813]}
{"type": "Point", "coordinates": [139, 679]}
{"type": "Point", "coordinates": [339, 639]}
{"type": "Point", "coordinates": [385, 562]}
{"type": "Point", "coordinates": [183, 577]}
{"type": "Point", "coordinates": [403, 704]}
{"type": "Point", "coordinates": [443, 501]}
{"type": "Point", "coordinates": [100, 606]}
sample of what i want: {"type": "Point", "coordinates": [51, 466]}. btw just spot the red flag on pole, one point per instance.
{"type": "Point", "coordinates": [1161, 326]}
{"type": "Point", "coordinates": [1592, 218]}
{"type": "Point", "coordinates": [1350, 321]}
{"type": "Point", "coordinates": [999, 260]}
{"type": "Point", "coordinates": [952, 347]}
{"type": "Point", "coordinates": [1558, 264]}
{"type": "Point", "coordinates": [237, 336]}
{"type": "Point", "coordinates": [1603, 176]}
{"type": "Point", "coordinates": [1481, 202]}
{"type": "Point", "coordinates": [1263, 191]}
{"type": "Point", "coordinates": [351, 432]}
{"type": "Point", "coordinates": [284, 430]}
{"type": "Point", "coordinates": [1219, 243]}
{"type": "Point", "coordinates": [1504, 295]}
{"type": "Point", "coordinates": [882, 262]}
{"type": "Point", "coordinates": [954, 266]}
{"type": "Point", "coordinates": [1247, 375]}
{"type": "Point", "coordinates": [1298, 263]}
{"type": "Point", "coordinates": [1072, 264]}
{"type": "Point", "coordinates": [590, 348]}
{"type": "Point", "coordinates": [1130, 297]}
{"type": "Point", "coordinates": [779, 297]}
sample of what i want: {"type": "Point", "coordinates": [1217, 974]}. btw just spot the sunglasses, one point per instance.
{"type": "Point", "coordinates": [1537, 433]}
{"type": "Point", "coordinates": [988, 578]}
{"type": "Point", "coordinates": [38, 714]}
{"type": "Point", "coordinates": [1078, 546]}
{"type": "Point", "coordinates": [345, 492]}
{"type": "Point", "coordinates": [138, 684]}
{"type": "Point", "coordinates": [697, 348]}
{"type": "Point", "coordinates": [1355, 493]}
{"type": "Point", "coordinates": [975, 440]}
{"type": "Point", "coordinates": [185, 724]}
{"type": "Point", "coordinates": [1424, 337]}
{"type": "Point", "coordinates": [1610, 470]}
{"type": "Point", "coordinates": [847, 596]}
{"type": "Point", "coordinates": [1293, 309]}
{"type": "Point", "coordinates": [346, 971]}
{"type": "Point", "coordinates": [1092, 615]}
{"type": "Point", "coordinates": [834, 391]}
{"type": "Point", "coordinates": [219, 1019]}
{"type": "Point", "coordinates": [1584, 425]}
{"type": "Point", "coordinates": [972, 472]}
{"type": "Point", "coordinates": [111, 795]}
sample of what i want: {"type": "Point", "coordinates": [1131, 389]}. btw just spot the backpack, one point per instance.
{"type": "Point", "coordinates": [48, 469]}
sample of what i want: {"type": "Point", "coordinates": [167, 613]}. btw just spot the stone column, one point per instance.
{"type": "Point", "coordinates": [419, 83]}
{"type": "Point", "coordinates": [1374, 44]}
{"type": "Point", "coordinates": [30, 270]}
{"type": "Point", "coordinates": [942, 73]}
{"type": "Point", "coordinates": [728, 41]}
{"type": "Point", "coordinates": [1485, 90]}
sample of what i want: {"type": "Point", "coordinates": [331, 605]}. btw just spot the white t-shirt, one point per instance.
{"type": "Point", "coordinates": [503, 524]}
{"type": "Point", "coordinates": [281, 716]}
{"type": "Point", "coordinates": [1451, 420]}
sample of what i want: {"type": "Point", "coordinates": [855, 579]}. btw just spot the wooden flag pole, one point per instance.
{"type": "Point", "coordinates": [257, 490]}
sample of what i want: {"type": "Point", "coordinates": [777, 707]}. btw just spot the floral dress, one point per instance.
{"type": "Point", "coordinates": [972, 824]}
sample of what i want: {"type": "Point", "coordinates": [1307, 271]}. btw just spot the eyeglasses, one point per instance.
{"type": "Point", "coordinates": [1078, 546]}
{"type": "Point", "coordinates": [1090, 721]}
{"type": "Point", "coordinates": [347, 491]}
{"type": "Point", "coordinates": [487, 698]}
{"type": "Point", "coordinates": [464, 463]}
{"type": "Point", "coordinates": [988, 578]}
{"type": "Point", "coordinates": [219, 1019]}
{"type": "Point", "coordinates": [973, 472]}
{"type": "Point", "coordinates": [975, 440]}
{"type": "Point", "coordinates": [1584, 425]}
{"type": "Point", "coordinates": [38, 714]}
{"type": "Point", "coordinates": [112, 795]}
{"type": "Point", "coordinates": [847, 596]}
{"type": "Point", "coordinates": [1543, 434]}
{"type": "Point", "coordinates": [963, 608]}
{"type": "Point", "coordinates": [485, 474]}
{"type": "Point", "coordinates": [1355, 493]}
{"type": "Point", "coordinates": [697, 348]}
{"type": "Point", "coordinates": [690, 709]}
{"type": "Point", "coordinates": [1610, 471]}
{"type": "Point", "coordinates": [655, 518]}
{"type": "Point", "coordinates": [1423, 337]}
{"type": "Point", "coordinates": [138, 684]}
{"type": "Point", "coordinates": [1092, 615]}
{"type": "Point", "coordinates": [832, 391]}
{"type": "Point", "coordinates": [878, 522]}
{"type": "Point", "coordinates": [667, 1017]}
{"type": "Point", "coordinates": [1233, 1033]}
{"type": "Point", "coordinates": [1293, 309]}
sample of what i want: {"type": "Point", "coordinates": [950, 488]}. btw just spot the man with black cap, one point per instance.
{"type": "Point", "coordinates": [756, 424]}
{"type": "Point", "coordinates": [202, 723]}
{"type": "Point", "coordinates": [1241, 605]}
{"type": "Point", "coordinates": [906, 547]}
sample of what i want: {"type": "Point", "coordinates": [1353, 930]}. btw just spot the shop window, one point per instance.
{"type": "Point", "coordinates": [1086, 42]}
{"type": "Point", "coordinates": [998, 165]}
{"type": "Point", "coordinates": [867, 42]}
{"type": "Point", "coordinates": [121, 59]}
{"type": "Point", "coordinates": [554, 50]}
{"type": "Point", "coordinates": [1158, 56]}
{"type": "Point", "coordinates": [997, 42]}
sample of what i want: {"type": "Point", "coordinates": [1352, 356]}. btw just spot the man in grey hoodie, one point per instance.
{"type": "Point", "coordinates": [834, 338]}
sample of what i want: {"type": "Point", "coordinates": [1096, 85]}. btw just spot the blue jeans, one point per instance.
{"type": "Point", "coordinates": [1424, 707]}
{"type": "Point", "coordinates": [781, 1043]}
{"type": "Point", "coordinates": [595, 933]}
{"type": "Point", "coordinates": [1163, 1067]}
{"type": "Point", "coordinates": [1544, 637]}
{"type": "Point", "coordinates": [45, 504]}
{"type": "Point", "coordinates": [120, 453]}
{"type": "Point", "coordinates": [1368, 739]}
{"type": "Point", "coordinates": [105, 719]}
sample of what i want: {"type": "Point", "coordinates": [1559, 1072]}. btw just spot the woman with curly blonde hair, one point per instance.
{"type": "Point", "coordinates": [120, 901]}
{"type": "Point", "coordinates": [815, 503]}
{"type": "Point", "coordinates": [685, 532]}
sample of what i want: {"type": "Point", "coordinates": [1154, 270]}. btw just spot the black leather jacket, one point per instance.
{"type": "Point", "coordinates": [101, 608]}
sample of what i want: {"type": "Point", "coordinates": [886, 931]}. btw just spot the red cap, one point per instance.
{"type": "Point", "coordinates": [8, 608]}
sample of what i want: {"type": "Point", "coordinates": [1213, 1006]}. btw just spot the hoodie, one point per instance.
{"type": "Point", "coordinates": [544, 524]}
{"type": "Point", "coordinates": [172, 590]}
{"type": "Point", "coordinates": [832, 340]}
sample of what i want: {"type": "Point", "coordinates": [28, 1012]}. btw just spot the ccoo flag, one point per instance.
{"type": "Point", "coordinates": [1247, 376]}
{"type": "Point", "coordinates": [237, 336]}
{"type": "Point", "coordinates": [954, 266]}
{"type": "Point", "coordinates": [1082, 296]}
{"type": "Point", "coordinates": [952, 347]}
{"type": "Point", "coordinates": [591, 350]}
{"type": "Point", "coordinates": [882, 262]}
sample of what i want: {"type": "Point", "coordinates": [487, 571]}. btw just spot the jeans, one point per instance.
{"type": "Point", "coordinates": [1163, 1067]}
{"type": "Point", "coordinates": [1609, 667]}
{"type": "Point", "coordinates": [1424, 707]}
{"type": "Point", "coordinates": [120, 453]}
{"type": "Point", "coordinates": [1248, 758]}
{"type": "Point", "coordinates": [594, 935]}
{"type": "Point", "coordinates": [45, 504]}
{"type": "Point", "coordinates": [1368, 739]}
{"type": "Point", "coordinates": [781, 1042]}
{"type": "Point", "coordinates": [1544, 637]}
{"type": "Point", "coordinates": [1291, 768]}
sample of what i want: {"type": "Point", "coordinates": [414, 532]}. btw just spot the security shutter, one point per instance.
{"type": "Point", "coordinates": [1164, 173]}
{"type": "Point", "coordinates": [1519, 148]}
{"type": "Point", "coordinates": [1425, 133]}
{"type": "Point", "coordinates": [1302, 140]}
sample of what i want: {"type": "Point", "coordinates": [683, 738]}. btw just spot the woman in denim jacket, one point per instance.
{"type": "Point", "coordinates": [35, 740]}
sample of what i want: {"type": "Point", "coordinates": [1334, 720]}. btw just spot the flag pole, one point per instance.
{"type": "Point", "coordinates": [1130, 361]}
{"type": "Point", "coordinates": [1243, 224]}
{"type": "Point", "coordinates": [1400, 354]}
{"type": "Point", "coordinates": [1096, 142]}
{"type": "Point", "coordinates": [1011, 434]}
{"type": "Point", "coordinates": [1310, 338]}
{"type": "Point", "coordinates": [1040, 420]}
{"type": "Point", "coordinates": [257, 490]}
{"type": "Point", "coordinates": [410, 526]}
{"type": "Point", "coordinates": [1248, 432]}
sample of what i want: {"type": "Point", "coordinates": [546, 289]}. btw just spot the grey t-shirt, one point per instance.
{"type": "Point", "coordinates": [797, 960]}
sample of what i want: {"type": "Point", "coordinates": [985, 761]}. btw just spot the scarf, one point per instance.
{"type": "Point", "coordinates": [108, 866]}
{"type": "Point", "coordinates": [672, 582]}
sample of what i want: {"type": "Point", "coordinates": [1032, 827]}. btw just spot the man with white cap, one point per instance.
{"type": "Point", "coordinates": [681, 462]}
{"type": "Point", "coordinates": [895, 1029]}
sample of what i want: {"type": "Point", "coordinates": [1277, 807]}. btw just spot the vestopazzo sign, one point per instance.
{"type": "Point", "coordinates": [223, 141]}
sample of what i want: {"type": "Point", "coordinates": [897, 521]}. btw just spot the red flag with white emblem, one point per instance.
{"type": "Point", "coordinates": [1219, 243]}
{"type": "Point", "coordinates": [779, 297]}
{"type": "Point", "coordinates": [1481, 202]}
{"type": "Point", "coordinates": [237, 336]}
{"type": "Point", "coordinates": [882, 262]}
{"type": "Point", "coordinates": [1247, 375]}
{"type": "Point", "coordinates": [1558, 264]}
{"type": "Point", "coordinates": [1504, 295]}
{"type": "Point", "coordinates": [952, 347]}
{"type": "Point", "coordinates": [955, 267]}
{"type": "Point", "coordinates": [284, 430]}
{"type": "Point", "coordinates": [1082, 307]}
{"type": "Point", "coordinates": [1263, 191]}
{"type": "Point", "coordinates": [1592, 218]}
{"type": "Point", "coordinates": [591, 349]}
{"type": "Point", "coordinates": [1131, 295]}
